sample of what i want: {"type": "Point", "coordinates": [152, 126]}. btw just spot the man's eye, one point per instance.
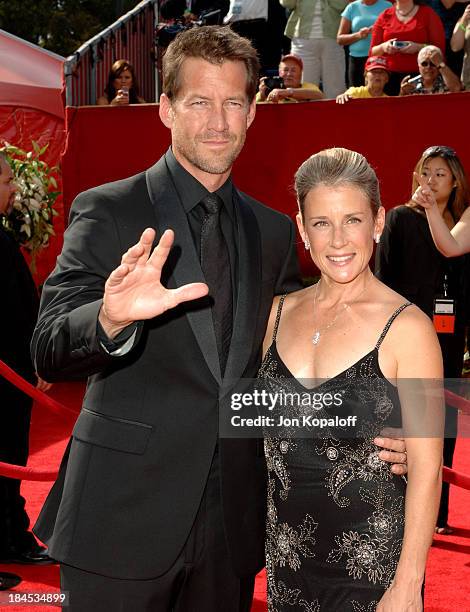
{"type": "Point", "coordinates": [354, 220]}
{"type": "Point", "coordinates": [320, 224]}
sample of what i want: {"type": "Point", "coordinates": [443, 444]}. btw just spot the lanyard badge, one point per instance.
{"type": "Point", "coordinates": [444, 315]}
{"type": "Point", "coordinates": [444, 312]}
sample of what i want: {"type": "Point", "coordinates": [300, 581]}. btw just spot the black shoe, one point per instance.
{"type": "Point", "coordinates": [8, 581]}
{"type": "Point", "coordinates": [34, 556]}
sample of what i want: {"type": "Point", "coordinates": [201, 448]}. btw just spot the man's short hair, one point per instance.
{"type": "Point", "coordinates": [215, 45]}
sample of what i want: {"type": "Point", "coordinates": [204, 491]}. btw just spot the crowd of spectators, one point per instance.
{"type": "Point", "coordinates": [327, 49]}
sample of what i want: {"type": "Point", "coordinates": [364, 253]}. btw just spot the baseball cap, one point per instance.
{"type": "Point", "coordinates": [376, 62]}
{"type": "Point", "coordinates": [294, 58]}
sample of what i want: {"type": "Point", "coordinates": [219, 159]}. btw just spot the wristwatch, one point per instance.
{"type": "Point", "coordinates": [441, 65]}
{"type": "Point", "coordinates": [289, 91]}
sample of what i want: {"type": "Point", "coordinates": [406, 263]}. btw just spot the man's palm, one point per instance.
{"type": "Point", "coordinates": [133, 291]}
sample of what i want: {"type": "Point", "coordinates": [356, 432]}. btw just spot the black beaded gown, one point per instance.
{"type": "Point", "coordinates": [335, 515]}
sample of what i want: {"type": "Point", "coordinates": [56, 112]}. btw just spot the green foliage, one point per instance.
{"type": "Point", "coordinates": [60, 25]}
{"type": "Point", "coordinates": [30, 221]}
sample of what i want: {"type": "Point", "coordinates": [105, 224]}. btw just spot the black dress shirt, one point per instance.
{"type": "Point", "coordinates": [190, 192]}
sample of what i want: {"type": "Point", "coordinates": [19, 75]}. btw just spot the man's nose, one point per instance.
{"type": "Point", "coordinates": [218, 119]}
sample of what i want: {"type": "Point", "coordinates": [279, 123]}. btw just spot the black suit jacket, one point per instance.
{"type": "Point", "coordinates": [141, 450]}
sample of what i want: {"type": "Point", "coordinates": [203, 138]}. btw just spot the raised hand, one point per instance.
{"type": "Point", "coordinates": [423, 195]}
{"type": "Point", "coordinates": [133, 291]}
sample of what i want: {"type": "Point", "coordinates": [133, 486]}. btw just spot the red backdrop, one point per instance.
{"type": "Point", "coordinates": [108, 143]}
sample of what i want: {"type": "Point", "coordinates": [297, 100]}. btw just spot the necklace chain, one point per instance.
{"type": "Point", "coordinates": [317, 333]}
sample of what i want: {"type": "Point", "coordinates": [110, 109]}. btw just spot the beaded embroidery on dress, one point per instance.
{"type": "Point", "coordinates": [335, 512]}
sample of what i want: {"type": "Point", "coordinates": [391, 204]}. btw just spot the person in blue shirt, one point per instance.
{"type": "Point", "coordinates": [354, 30]}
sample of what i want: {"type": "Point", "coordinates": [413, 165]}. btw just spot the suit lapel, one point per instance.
{"type": "Point", "coordinates": [248, 295]}
{"type": "Point", "coordinates": [183, 261]}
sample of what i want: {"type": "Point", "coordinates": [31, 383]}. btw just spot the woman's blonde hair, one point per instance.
{"type": "Point", "coordinates": [337, 167]}
{"type": "Point", "coordinates": [460, 196]}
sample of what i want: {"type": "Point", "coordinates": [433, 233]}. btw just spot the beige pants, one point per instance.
{"type": "Point", "coordinates": [323, 62]}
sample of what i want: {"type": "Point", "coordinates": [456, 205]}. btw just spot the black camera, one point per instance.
{"type": "Point", "coordinates": [274, 82]}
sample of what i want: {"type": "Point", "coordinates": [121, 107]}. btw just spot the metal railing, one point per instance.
{"type": "Point", "coordinates": [132, 37]}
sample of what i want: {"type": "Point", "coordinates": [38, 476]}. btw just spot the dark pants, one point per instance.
{"type": "Point", "coordinates": [356, 71]}
{"type": "Point", "coordinates": [14, 446]}
{"type": "Point", "coordinates": [201, 579]}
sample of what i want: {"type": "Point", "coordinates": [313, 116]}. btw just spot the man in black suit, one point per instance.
{"type": "Point", "coordinates": [18, 312]}
{"type": "Point", "coordinates": [151, 510]}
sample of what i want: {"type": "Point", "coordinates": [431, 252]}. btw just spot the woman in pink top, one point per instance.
{"type": "Point", "coordinates": [400, 32]}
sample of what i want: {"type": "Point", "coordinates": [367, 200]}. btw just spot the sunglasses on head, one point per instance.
{"type": "Point", "coordinates": [440, 151]}
{"type": "Point", "coordinates": [426, 63]}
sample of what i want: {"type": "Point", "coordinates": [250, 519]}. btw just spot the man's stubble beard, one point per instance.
{"type": "Point", "coordinates": [216, 164]}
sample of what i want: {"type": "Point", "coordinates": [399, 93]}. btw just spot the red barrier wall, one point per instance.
{"type": "Point", "coordinates": [108, 143]}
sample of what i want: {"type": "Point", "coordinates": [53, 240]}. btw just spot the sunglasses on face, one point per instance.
{"type": "Point", "coordinates": [426, 63]}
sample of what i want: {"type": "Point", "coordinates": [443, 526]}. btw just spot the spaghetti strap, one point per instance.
{"type": "Point", "coordinates": [390, 321]}
{"type": "Point", "coordinates": [278, 316]}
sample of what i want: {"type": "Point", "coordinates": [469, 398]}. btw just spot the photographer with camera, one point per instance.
{"type": "Point", "coordinates": [122, 88]}
{"type": "Point", "coordinates": [434, 75]}
{"type": "Point", "coordinates": [288, 86]}
{"type": "Point", "coordinates": [400, 32]}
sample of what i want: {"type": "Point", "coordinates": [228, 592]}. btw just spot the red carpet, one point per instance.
{"type": "Point", "coordinates": [448, 573]}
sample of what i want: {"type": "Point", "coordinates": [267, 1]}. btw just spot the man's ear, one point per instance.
{"type": "Point", "coordinates": [165, 110]}
{"type": "Point", "coordinates": [251, 113]}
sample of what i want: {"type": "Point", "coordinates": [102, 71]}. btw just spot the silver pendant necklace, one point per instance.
{"type": "Point", "coordinates": [317, 333]}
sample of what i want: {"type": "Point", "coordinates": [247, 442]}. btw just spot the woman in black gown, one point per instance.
{"type": "Point", "coordinates": [408, 261]}
{"type": "Point", "coordinates": [343, 532]}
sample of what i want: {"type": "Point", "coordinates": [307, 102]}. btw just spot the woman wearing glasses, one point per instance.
{"type": "Point", "coordinates": [434, 75]}
{"type": "Point", "coordinates": [400, 32]}
{"type": "Point", "coordinates": [408, 261]}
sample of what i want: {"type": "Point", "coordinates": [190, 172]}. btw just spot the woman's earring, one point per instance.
{"type": "Point", "coordinates": [307, 244]}
{"type": "Point", "coordinates": [377, 238]}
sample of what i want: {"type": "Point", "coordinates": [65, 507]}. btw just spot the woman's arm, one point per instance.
{"type": "Point", "coordinates": [419, 370]}
{"type": "Point", "coordinates": [450, 243]}
{"type": "Point", "coordinates": [457, 41]}
{"type": "Point", "coordinates": [346, 37]}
